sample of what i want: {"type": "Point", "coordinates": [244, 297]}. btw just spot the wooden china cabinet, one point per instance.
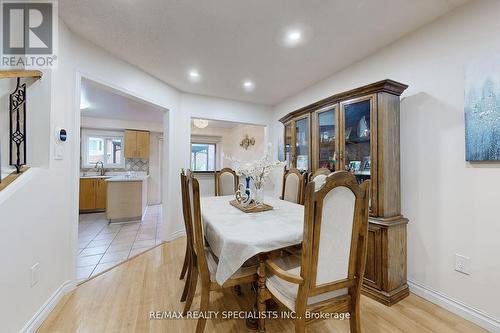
{"type": "Point", "coordinates": [358, 131]}
{"type": "Point", "coordinates": [297, 142]}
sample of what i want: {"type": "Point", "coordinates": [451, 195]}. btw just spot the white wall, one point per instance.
{"type": "Point", "coordinates": [451, 204]}
{"type": "Point", "coordinates": [154, 186]}
{"type": "Point", "coordinates": [27, 212]}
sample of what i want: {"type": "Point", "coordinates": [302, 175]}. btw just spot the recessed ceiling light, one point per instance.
{"type": "Point", "coordinates": [293, 37]}
{"type": "Point", "coordinates": [194, 75]}
{"type": "Point", "coordinates": [248, 85]}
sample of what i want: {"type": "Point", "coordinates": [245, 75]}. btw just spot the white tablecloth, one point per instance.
{"type": "Point", "coordinates": [235, 236]}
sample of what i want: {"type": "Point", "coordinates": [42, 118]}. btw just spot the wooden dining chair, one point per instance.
{"type": "Point", "coordinates": [226, 182]}
{"type": "Point", "coordinates": [328, 275]}
{"type": "Point", "coordinates": [293, 186]}
{"type": "Point", "coordinates": [206, 262]}
{"type": "Point", "coordinates": [319, 176]}
{"type": "Point", "coordinates": [189, 262]}
{"type": "Point", "coordinates": [319, 172]}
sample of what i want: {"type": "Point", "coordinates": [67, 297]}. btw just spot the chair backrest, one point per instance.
{"type": "Point", "coordinates": [335, 235]}
{"type": "Point", "coordinates": [319, 172]}
{"type": "Point", "coordinates": [193, 198]}
{"type": "Point", "coordinates": [226, 182]}
{"type": "Point", "coordinates": [186, 209]}
{"type": "Point", "coordinates": [319, 176]}
{"type": "Point", "coordinates": [293, 186]}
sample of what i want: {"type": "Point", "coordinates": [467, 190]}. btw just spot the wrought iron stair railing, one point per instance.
{"type": "Point", "coordinates": [17, 124]}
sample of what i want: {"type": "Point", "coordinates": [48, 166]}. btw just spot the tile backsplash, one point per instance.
{"type": "Point", "coordinates": [137, 164]}
{"type": "Point", "coordinates": [131, 164]}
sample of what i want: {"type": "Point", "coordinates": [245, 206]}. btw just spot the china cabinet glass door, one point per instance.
{"type": "Point", "coordinates": [302, 143]}
{"type": "Point", "coordinates": [288, 145]}
{"type": "Point", "coordinates": [326, 129]}
{"type": "Point", "coordinates": [356, 155]}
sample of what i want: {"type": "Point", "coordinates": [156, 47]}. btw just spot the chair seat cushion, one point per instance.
{"type": "Point", "coordinates": [212, 261]}
{"type": "Point", "coordinates": [286, 292]}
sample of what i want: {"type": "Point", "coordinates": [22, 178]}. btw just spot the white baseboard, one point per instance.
{"type": "Point", "coordinates": [175, 235]}
{"type": "Point", "coordinates": [47, 307]}
{"type": "Point", "coordinates": [474, 315]}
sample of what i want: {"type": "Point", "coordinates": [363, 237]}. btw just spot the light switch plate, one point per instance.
{"type": "Point", "coordinates": [58, 152]}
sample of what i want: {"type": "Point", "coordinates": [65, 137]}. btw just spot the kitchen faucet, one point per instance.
{"type": "Point", "coordinates": [100, 169]}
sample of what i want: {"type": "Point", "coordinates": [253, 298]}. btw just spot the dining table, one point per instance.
{"type": "Point", "coordinates": [235, 236]}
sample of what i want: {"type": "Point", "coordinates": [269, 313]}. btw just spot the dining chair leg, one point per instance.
{"type": "Point", "coordinates": [187, 282]}
{"type": "Point", "coordinates": [204, 304]}
{"type": "Point", "coordinates": [185, 264]}
{"type": "Point", "coordinates": [355, 319]}
{"type": "Point", "coordinates": [193, 279]}
{"type": "Point", "coordinates": [300, 325]}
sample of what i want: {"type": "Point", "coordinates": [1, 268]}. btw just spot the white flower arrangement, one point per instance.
{"type": "Point", "coordinates": [258, 170]}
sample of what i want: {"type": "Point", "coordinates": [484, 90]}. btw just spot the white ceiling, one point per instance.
{"type": "Point", "coordinates": [218, 123]}
{"type": "Point", "coordinates": [105, 102]}
{"type": "Point", "coordinates": [229, 41]}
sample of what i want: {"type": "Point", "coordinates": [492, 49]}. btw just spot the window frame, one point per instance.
{"type": "Point", "coordinates": [208, 139]}
{"type": "Point", "coordinates": [197, 142]}
{"type": "Point", "coordinates": [87, 133]}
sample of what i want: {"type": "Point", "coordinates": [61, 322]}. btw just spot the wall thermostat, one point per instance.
{"type": "Point", "coordinates": [61, 135]}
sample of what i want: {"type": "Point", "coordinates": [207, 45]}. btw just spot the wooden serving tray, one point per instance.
{"type": "Point", "coordinates": [252, 208]}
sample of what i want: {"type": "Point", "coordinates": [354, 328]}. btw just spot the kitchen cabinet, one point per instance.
{"type": "Point", "coordinates": [127, 199]}
{"type": "Point", "coordinates": [136, 144]}
{"type": "Point", "coordinates": [358, 131]}
{"type": "Point", "coordinates": [93, 194]}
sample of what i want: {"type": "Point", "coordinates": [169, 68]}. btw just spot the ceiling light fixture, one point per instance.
{"type": "Point", "coordinates": [293, 37]}
{"type": "Point", "coordinates": [200, 123]}
{"type": "Point", "coordinates": [194, 75]}
{"type": "Point", "coordinates": [248, 85]}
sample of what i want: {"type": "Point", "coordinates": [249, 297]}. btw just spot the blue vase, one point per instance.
{"type": "Point", "coordinates": [247, 191]}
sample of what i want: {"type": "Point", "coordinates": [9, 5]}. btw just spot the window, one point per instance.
{"type": "Point", "coordinates": [203, 156]}
{"type": "Point", "coordinates": [103, 146]}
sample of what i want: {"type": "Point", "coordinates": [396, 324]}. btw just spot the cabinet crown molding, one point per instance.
{"type": "Point", "coordinates": [389, 86]}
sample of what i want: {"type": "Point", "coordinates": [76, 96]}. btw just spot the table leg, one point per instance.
{"type": "Point", "coordinates": [253, 323]}
{"type": "Point", "coordinates": [261, 296]}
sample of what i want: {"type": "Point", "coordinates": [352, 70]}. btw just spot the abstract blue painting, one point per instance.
{"type": "Point", "coordinates": [482, 109]}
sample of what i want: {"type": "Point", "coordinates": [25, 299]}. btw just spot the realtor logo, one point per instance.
{"type": "Point", "coordinates": [28, 33]}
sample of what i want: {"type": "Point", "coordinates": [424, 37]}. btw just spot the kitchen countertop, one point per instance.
{"type": "Point", "coordinates": [118, 178]}
{"type": "Point", "coordinates": [96, 176]}
{"type": "Point", "coordinates": [127, 179]}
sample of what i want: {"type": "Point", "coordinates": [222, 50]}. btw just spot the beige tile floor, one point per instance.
{"type": "Point", "coordinates": [102, 245]}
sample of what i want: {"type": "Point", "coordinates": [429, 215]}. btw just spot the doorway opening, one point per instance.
{"type": "Point", "coordinates": [120, 178]}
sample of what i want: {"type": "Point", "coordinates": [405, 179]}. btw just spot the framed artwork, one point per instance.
{"type": "Point", "coordinates": [482, 109]}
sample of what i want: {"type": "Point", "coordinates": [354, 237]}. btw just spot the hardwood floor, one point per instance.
{"type": "Point", "coordinates": [121, 300]}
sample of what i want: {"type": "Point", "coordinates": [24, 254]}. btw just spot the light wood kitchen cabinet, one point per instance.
{"type": "Point", "coordinates": [101, 194]}
{"type": "Point", "coordinates": [93, 193]}
{"type": "Point", "coordinates": [136, 144]}
{"type": "Point", "coordinates": [358, 131]}
{"type": "Point", "coordinates": [87, 194]}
